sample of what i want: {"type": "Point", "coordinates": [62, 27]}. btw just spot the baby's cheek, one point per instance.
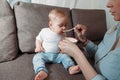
{"type": "Point", "coordinates": [60, 32]}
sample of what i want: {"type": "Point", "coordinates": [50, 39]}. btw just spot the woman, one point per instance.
{"type": "Point", "coordinates": [107, 53]}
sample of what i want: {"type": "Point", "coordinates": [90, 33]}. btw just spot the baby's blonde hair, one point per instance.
{"type": "Point", "coordinates": [53, 14]}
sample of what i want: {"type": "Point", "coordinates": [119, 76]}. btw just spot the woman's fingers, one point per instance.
{"type": "Point", "coordinates": [80, 28]}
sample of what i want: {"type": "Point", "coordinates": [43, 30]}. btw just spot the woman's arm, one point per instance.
{"type": "Point", "coordinates": [90, 48]}
{"type": "Point", "coordinates": [86, 68]}
{"type": "Point", "coordinates": [72, 50]}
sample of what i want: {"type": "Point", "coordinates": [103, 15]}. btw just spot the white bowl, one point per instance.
{"type": "Point", "coordinates": [71, 39]}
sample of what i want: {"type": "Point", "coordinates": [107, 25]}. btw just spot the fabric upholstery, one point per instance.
{"type": "Point", "coordinates": [18, 69]}
{"type": "Point", "coordinates": [22, 69]}
{"type": "Point", "coordinates": [8, 38]}
{"type": "Point", "coordinates": [30, 19]}
{"type": "Point", "coordinates": [95, 20]}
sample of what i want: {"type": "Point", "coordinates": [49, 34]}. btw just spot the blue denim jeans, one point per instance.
{"type": "Point", "coordinates": [40, 59]}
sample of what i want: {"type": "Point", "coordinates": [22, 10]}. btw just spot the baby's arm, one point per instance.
{"type": "Point", "coordinates": [38, 46]}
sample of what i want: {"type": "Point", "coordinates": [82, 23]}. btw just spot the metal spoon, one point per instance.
{"type": "Point", "coordinates": [69, 30]}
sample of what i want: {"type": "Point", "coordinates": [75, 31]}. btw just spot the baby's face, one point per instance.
{"type": "Point", "coordinates": [59, 24]}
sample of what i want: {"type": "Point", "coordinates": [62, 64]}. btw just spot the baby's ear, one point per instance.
{"type": "Point", "coordinates": [50, 23]}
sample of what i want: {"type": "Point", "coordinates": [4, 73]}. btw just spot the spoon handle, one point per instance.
{"type": "Point", "coordinates": [69, 30]}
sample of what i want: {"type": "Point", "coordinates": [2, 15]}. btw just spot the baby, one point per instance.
{"type": "Point", "coordinates": [47, 46]}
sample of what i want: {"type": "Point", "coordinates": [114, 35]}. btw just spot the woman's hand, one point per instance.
{"type": "Point", "coordinates": [68, 47]}
{"type": "Point", "coordinates": [81, 32]}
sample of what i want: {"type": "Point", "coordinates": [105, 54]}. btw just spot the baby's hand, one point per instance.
{"type": "Point", "coordinates": [39, 49]}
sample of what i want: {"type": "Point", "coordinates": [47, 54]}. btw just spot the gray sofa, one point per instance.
{"type": "Point", "coordinates": [19, 27]}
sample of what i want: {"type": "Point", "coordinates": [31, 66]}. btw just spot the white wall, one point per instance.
{"type": "Point", "coordinates": [82, 4]}
{"type": "Point", "coordinates": [12, 2]}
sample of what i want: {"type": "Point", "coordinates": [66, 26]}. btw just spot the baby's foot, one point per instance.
{"type": "Point", "coordinates": [74, 69]}
{"type": "Point", "coordinates": [41, 75]}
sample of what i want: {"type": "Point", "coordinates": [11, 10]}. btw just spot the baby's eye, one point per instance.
{"type": "Point", "coordinates": [62, 25]}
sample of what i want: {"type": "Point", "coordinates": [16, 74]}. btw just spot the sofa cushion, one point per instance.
{"type": "Point", "coordinates": [8, 39]}
{"type": "Point", "coordinates": [22, 69]}
{"type": "Point", "coordinates": [95, 20]}
{"type": "Point", "coordinates": [31, 18]}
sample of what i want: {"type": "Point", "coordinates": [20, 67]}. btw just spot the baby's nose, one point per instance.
{"type": "Point", "coordinates": [63, 27]}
